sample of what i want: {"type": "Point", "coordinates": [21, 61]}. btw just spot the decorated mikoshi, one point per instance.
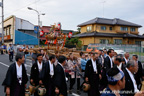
{"type": "Point", "coordinates": [55, 37]}
{"type": "Point", "coordinates": [55, 40]}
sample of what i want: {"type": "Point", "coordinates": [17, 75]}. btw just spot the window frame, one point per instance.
{"type": "Point", "coordinates": [104, 41]}
{"type": "Point", "coordinates": [103, 28]}
{"type": "Point", "coordinates": [131, 29]}
{"type": "Point", "coordinates": [124, 28]}
{"type": "Point", "coordinates": [117, 41]}
{"type": "Point", "coordinates": [89, 28]}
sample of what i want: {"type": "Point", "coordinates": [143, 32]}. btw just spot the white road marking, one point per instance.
{"type": "Point", "coordinates": [75, 94]}
{"type": "Point", "coordinates": [4, 64]}
{"type": "Point", "coordinates": [8, 66]}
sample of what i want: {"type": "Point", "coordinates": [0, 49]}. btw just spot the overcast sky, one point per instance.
{"type": "Point", "coordinates": [73, 12]}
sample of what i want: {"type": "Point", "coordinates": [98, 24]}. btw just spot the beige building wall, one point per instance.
{"type": "Point", "coordinates": [87, 40]}
{"type": "Point", "coordinates": [10, 22]}
{"type": "Point", "coordinates": [115, 29]}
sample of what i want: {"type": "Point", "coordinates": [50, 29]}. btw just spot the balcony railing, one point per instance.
{"type": "Point", "coordinates": [119, 31]}
{"type": "Point", "coordinates": [131, 32]}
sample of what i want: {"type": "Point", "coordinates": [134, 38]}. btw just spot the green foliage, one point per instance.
{"type": "Point", "coordinates": [74, 41]}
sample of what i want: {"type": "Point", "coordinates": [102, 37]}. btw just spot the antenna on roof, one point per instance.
{"type": "Point", "coordinates": [103, 7]}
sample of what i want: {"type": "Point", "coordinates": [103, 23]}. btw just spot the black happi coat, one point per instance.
{"type": "Point", "coordinates": [129, 87]}
{"type": "Point", "coordinates": [60, 80]}
{"type": "Point", "coordinates": [36, 75]}
{"type": "Point", "coordinates": [49, 81]}
{"type": "Point", "coordinates": [11, 79]}
{"type": "Point", "coordinates": [93, 79]}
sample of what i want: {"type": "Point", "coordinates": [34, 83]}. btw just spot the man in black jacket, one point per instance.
{"type": "Point", "coordinates": [126, 57]}
{"type": "Point", "coordinates": [108, 63]}
{"type": "Point", "coordinates": [60, 78]}
{"type": "Point", "coordinates": [50, 72]}
{"type": "Point", "coordinates": [16, 78]}
{"type": "Point", "coordinates": [139, 76]}
{"type": "Point", "coordinates": [130, 84]}
{"type": "Point", "coordinates": [38, 72]}
{"type": "Point", "coordinates": [118, 62]}
{"type": "Point", "coordinates": [93, 75]}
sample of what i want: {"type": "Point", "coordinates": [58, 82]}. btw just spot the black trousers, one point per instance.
{"type": "Point", "coordinates": [94, 85]}
{"type": "Point", "coordinates": [72, 82]}
{"type": "Point", "coordinates": [11, 56]}
{"type": "Point", "coordinates": [1, 51]}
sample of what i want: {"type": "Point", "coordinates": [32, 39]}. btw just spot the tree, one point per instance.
{"type": "Point", "coordinates": [74, 41]}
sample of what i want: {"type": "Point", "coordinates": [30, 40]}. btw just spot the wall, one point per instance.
{"type": "Point", "coordinates": [23, 24]}
{"type": "Point", "coordinates": [10, 22]}
{"type": "Point", "coordinates": [87, 40]}
{"type": "Point", "coordinates": [23, 38]}
{"type": "Point", "coordinates": [115, 29]}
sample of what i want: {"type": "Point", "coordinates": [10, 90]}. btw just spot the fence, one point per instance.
{"type": "Point", "coordinates": [132, 49]}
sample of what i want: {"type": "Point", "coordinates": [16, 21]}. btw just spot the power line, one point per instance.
{"type": "Point", "coordinates": [23, 7]}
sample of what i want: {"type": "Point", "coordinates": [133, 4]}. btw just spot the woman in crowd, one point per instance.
{"type": "Point", "coordinates": [73, 67]}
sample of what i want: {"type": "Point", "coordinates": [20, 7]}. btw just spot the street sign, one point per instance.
{"type": "Point", "coordinates": [36, 29]}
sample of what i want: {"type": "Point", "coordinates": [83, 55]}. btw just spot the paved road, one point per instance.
{"type": "Point", "coordinates": [4, 64]}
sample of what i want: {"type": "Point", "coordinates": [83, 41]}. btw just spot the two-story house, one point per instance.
{"type": "Point", "coordinates": [109, 31]}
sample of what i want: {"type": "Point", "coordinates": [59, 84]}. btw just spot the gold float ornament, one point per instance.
{"type": "Point", "coordinates": [86, 87]}
{"type": "Point", "coordinates": [142, 88]}
{"type": "Point", "coordinates": [41, 91]}
{"type": "Point", "coordinates": [27, 93]}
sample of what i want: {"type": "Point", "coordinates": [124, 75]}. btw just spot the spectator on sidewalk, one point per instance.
{"type": "Point", "coordinates": [11, 52]}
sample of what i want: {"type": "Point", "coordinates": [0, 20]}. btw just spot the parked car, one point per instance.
{"type": "Point", "coordinates": [117, 50]}
{"type": "Point", "coordinates": [94, 48]}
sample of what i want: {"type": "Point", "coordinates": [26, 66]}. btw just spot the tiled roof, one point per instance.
{"type": "Point", "coordinates": [98, 34]}
{"type": "Point", "coordinates": [114, 21]}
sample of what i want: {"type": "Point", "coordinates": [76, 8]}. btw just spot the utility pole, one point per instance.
{"type": "Point", "coordinates": [103, 7]}
{"type": "Point", "coordinates": [2, 22]}
{"type": "Point", "coordinates": [38, 29]}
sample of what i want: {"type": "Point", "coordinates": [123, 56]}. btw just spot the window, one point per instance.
{"type": "Point", "coordinates": [138, 43]}
{"type": "Point", "coordinates": [104, 41]}
{"type": "Point", "coordinates": [132, 29]}
{"type": "Point", "coordinates": [89, 28]}
{"type": "Point", "coordinates": [110, 28]}
{"type": "Point", "coordinates": [103, 27]}
{"type": "Point", "coordinates": [124, 28]}
{"type": "Point", "coordinates": [117, 41]}
{"type": "Point", "coordinates": [9, 30]}
{"type": "Point", "coordinates": [5, 31]}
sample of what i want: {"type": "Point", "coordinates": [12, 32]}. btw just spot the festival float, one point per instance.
{"type": "Point", "coordinates": [55, 41]}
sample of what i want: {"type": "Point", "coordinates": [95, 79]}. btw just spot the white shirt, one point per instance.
{"type": "Point", "coordinates": [133, 80]}
{"type": "Point", "coordinates": [111, 61]}
{"type": "Point", "coordinates": [39, 66]}
{"type": "Point", "coordinates": [126, 60]}
{"type": "Point", "coordinates": [119, 66]}
{"type": "Point", "coordinates": [94, 65]}
{"type": "Point", "coordinates": [19, 70]}
{"type": "Point", "coordinates": [51, 68]}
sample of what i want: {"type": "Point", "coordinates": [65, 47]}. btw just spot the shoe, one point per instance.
{"type": "Point", "coordinates": [70, 91]}
{"type": "Point", "coordinates": [78, 92]}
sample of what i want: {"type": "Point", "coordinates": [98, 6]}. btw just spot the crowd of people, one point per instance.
{"type": "Point", "coordinates": [107, 73]}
